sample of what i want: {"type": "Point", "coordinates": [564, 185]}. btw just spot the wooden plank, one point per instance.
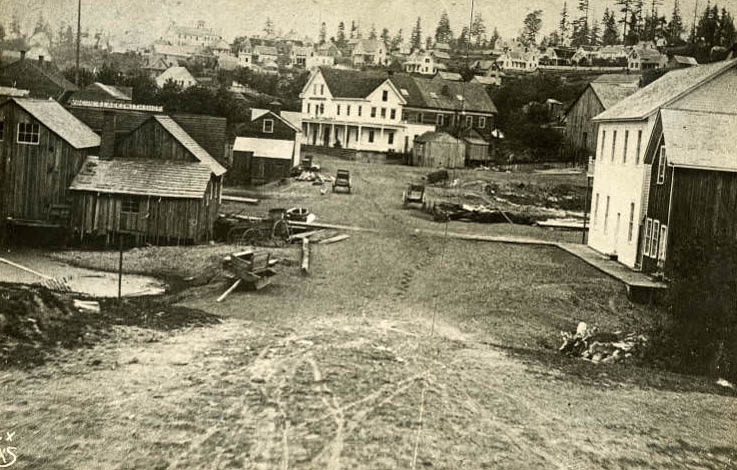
{"type": "Point", "coordinates": [230, 289]}
{"type": "Point", "coordinates": [245, 200]}
{"type": "Point", "coordinates": [305, 256]}
{"type": "Point", "coordinates": [334, 239]}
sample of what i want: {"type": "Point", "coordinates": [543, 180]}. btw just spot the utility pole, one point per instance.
{"type": "Point", "coordinates": [79, 35]}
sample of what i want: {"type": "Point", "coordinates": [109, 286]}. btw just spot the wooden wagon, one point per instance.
{"type": "Point", "coordinates": [415, 193]}
{"type": "Point", "coordinates": [252, 267]}
{"type": "Point", "coordinates": [342, 180]}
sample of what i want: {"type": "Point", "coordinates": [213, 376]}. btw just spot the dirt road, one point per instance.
{"type": "Point", "coordinates": [329, 372]}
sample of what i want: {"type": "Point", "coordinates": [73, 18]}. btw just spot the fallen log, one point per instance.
{"type": "Point", "coordinates": [230, 289]}
{"type": "Point", "coordinates": [305, 256]}
{"type": "Point", "coordinates": [334, 239]}
{"type": "Point", "coordinates": [300, 236]}
{"type": "Point", "coordinates": [245, 200]}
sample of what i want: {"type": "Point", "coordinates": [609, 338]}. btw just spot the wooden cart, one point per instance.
{"type": "Point", "coordinates": [253, 267]}
{"type": "Point", "coordinates": [415, 194]}
{"type": "Point", "coordinates": [274, 230]}
{"type": "Point", "coordinates": [342, 180]}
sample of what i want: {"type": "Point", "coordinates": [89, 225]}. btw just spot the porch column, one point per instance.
{"type": "Point", "coordinates": [332, 134]}
{"type": "Point", "coordinates": [359, 137]}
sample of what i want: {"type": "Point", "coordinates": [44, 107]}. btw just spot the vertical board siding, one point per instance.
{"type": "Point", "coordinates": [579, 121]}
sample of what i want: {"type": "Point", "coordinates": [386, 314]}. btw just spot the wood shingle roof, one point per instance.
{"type": "Point", "coordinates": [60, 121]}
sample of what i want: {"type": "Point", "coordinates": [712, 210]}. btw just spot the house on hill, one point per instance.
{"type": "Point", "coordinates": [693, 184]}
{"type": "Point", "coordinates": [621, 188]}
{"type": "Point", "coordinates": [198, 35]}
{"type": "Point", "coordinates": [266, 148]}
{"type": "Point", "coordinates": [156, 184]}
{"type": "Point", "coordinates": [369, 52]}
{"type": "Point", "coordinates": [42, 148]}
{"type": "Point", "coordinates": [41, 78]}
{"type": "Point", "coordinates": [581, 131]}
{"type": "Point", "coordinates": [646, 59]}
{"type": "Point", "coordinates": [682, 61]}
{"type": "Point", "coordinates": [426, 62]}
{"type": "Point", "coordinates": [178, 75]}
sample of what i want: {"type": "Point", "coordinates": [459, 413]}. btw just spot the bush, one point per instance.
{"type": "Point", "coordinates": [703, 303]}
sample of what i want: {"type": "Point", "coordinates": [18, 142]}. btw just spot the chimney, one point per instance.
{"type": "Point", "coordinates": [275, 107]}
{"type": "Point", "coordinates": [22, 55]}
{"type": "Point", "coordinates": [41, 60]}
{"type": "Point", "coordinates": [107, 142]}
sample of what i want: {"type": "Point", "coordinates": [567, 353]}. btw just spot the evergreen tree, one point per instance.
{"type": "Point", "coordinates": [654, 19]}
{"type": "Point", "coordinates": [610, 36]}
{"type": "Point", "coordinates": [675, 27]}
{"type": "Point", "coordinates": [323, 33]}
{"type": "Point", "coordinates": [595, 34]}
{"type": "Point", "coordinates": [463, 41]}
{"type": "Point", "coordinates": [478, 29]}
{"type": "Point", "coordinates": [428, 43]}
{"type": "Point", "coordinates": [533, 23]}
{"type": "Point", "coordinates": [625, 8]}
{"type": "Point", "coordinates": [443, 32]}
{"type": "Point", "coordinates": [385, 38]}
{"type": "Point", "coordinates": [397, 40]}
{"type": "Point", "coordinates": [416, 37]}
{"type": "Point", "coordinates": [581, 32]}
{"type": "Point", "coordinates": [340, 37]}
{"type": "Point", "coordinates": [372, 34]}
{"type": "Point", "coordinates": [269, 27]}
{"type": "Point", "coordinates": [564, 25]}
{"type": "Point", "coordinates": [495, 38]}
{"type": "Point", "coordinates": [633, 35]}
{"type": "Point", "coordinates": [353, 29]}
{"type": "Point", "coordinates": [727, 33]}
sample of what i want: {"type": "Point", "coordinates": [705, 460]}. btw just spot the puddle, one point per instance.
{"type": "Point", "coordinates": [84, 281]}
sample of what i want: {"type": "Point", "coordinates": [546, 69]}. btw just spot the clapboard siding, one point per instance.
{"type": "Point", "coordinates": [35, 177]}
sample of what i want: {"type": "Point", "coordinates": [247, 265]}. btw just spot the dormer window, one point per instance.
{"type": "Point", "coordinates": [268, 126]}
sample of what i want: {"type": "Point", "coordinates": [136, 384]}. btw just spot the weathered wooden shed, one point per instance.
{"type": "Point", "coordinates": [439, 150]}
{"type": "Point", "coordinates": [693, 184]}
{"type": "Point", "coordinates": [160, 186]}
{"type": "Point", "coordinates": [42, 147]}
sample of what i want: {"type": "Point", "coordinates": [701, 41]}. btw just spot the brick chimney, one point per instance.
{"type": "Point", "coordinates": [275, 107]}
{"type": "Point", "coordinates": [22, 55]}
{"type": "Point", "coordinates": [107, 142]}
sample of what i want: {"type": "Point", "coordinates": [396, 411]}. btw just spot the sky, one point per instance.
{"type": "Point", "coordinates": [149, 18]}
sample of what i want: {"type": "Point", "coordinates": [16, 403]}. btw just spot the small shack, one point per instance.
{"type": "Point", "coordinates": [477, 148]}
{"type": "Point", "coordinates": [439, 150]}
{"type": "Point", "coordinates": [259, 161]}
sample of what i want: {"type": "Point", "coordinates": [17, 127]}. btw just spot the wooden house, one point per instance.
{"type": "Point", "coordinates": [156, 183]}
{"type": "Point", "coordinates": [597, 97]}
{"type": "Point", "coordinates": [266, 148]}
{"type": "Point", "coordinates": [439, 150]}
{"type": "Point", "coordinates": [693, 184]}
{"type": "Point", "coordinates": [99, 92]}
{"type": "Point", "coordinates": [42, 147]}
{"type": "Point", "coordinates": [40, 77]}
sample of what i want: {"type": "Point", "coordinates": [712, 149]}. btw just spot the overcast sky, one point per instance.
{"type": "Point", "coordinates": [247, 17]}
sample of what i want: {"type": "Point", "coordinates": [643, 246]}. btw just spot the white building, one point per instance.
{"type": "Point", "coordinates": [178, 75]}
{"type": "Point", "coordinates": [621, 178]}
{"type": "Point", "coordinates": [426, 62]}
{"type": "Point", "coordinates": [198, 35]}
{"type": "Point", "coordinates": [518, 61]}
{"type": "Point", "coordinates": [369, 52]}
{"type": "Point", "coordinates": [354, 110]}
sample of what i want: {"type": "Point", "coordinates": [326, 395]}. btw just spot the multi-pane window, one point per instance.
{"type": "Point", "coordinates": [384, 95]}
{"type": "Point", "coordinates": [639, 147]}
{"type": "Point", "coordinates": [648, 236]}
{"type": "Point", "coordinates": [322, 89]}
{"type": "Point", "coordinates": [393, 114]}
{"type": "Point", "coordinates": [606, 214]}
{"type": "Point", "coordinates": [596, 209]}
{"type": "Point", "coordinates": [656, 234]}
{"type": "Point", "coordinates": [268, 126]}
{"type": "Point", "coordinates": [383, 113]}
{"type": "Point", "coordinates": [663, 242]}
{"type": "Point", "coordinates": [360, 108]}
{"type": "Point", "coordinates": [28, 133]}
{"type": "Point", "coordinates": [348, 110]}
{"type": "Point", "coordinates": [469, 121]}
{"type": "Point", "coordinates": [129, 205]}
{"type": "Point", "coordinates": [632, 222]}
{"type": "Point", "coordinates": [626, 142]}
{"type": "Point", "coordinates": [603, 139]}
{"type": "Point", "coordinates": [308, 108]}
{"type": "Point", "coordinates": [440, 120]}
{"type": "Point", "coordinates": [390, 138]}
{"type": "Point", "coordinates": [371, 137]}
{"type": "Point", "coordinates": [482, 122]}
{"type": "Point", "coordinates": [614, 144]}
{"type": "Point", "coordinates": [337, 110]}
{"type": "Point", "coordinates": [373, 111]}
{"type": "Point", "coordinates": [661, 166]}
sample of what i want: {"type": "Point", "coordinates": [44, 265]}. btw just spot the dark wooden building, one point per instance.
{"type": "Point", "coordinates": [99, 92]}
{"type": "Point", "coordinates": [155, 183]}
{"type": "Point", "coordinates": [40, 77]}
{"type": "Point", "coordinates": [266, 148]}
{"type": "Point", "coordinates": [693, 184]}
{"type": "Point", "coordinates": [42, 148]}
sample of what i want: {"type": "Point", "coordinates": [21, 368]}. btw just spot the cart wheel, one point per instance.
{"type": "Point", "coordinates": [280, 232]}
{"type": "Point", "coordinates": [234, 235]}
{"type": "Point", "coordinates": [248, 237]}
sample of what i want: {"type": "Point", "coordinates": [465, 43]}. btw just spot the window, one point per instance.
{"type": "Point", "coordinates": [373, 111]}
{"type": "Point", "coordinates": [482, 122]}
{"type": "Point", "coordinates": [606, 214]}
{"type": "Point", "coordinates": [383, 113]}
{"type": "Point", "coordinates": [322, 89]}
{"type": "Point", "coordinates": [2, 130]}
{"type": "Point", "coordinates": [322, 108]}
{"type": "Point", "coordinates": [624, 152]}
{"type": "Point", "coordinates": [648, 236]}
{"type": "Point", "coordinates": [661, 166]}
{"type": "Point", "coordinates": [268, 126]}
{"type": "Point", "coordinates": [639, 147]}
{"type": "Point", "coordinates": [359, 110]}
{"type": "Point", "coordinates": [404, 92]}
{"type": "Point", "coordinates": [632, 222]}
{"type": "Point", "coordinates": [603, 139]}
{"type": "Point", "coordinates": [129, 205]}
{"type": "Point", "coordinates": [393, 114]}
{"type": "Point", "coordinates": [348, 110]}
{"type": "Point", "coordinates": [614, 144]}
{"type": "Point", "coordinates": [440, 120]}
{"type": "Point", "coordinates": [596, 209]}
{"type": "Point", "coordinates": [663, 242]}
{"type": "Point", "coordinates": [371, 137]}
{"type": "Point", "coordinates": [314, 89]}
{"type": "Point", "coordinates": [385, 95]}
{"type": "Point", "coordinates": [338, 110]}
{"type": "Point", "coordinates": [308, 108]}
{"type": "Point", "coordinates": [654, 243]}
{"type": "Point", "coordinates": [390, 138]}
{"type": "Point", "coordinates": [469, 121]}
{"type": "Point", "coordinates": [28, 133]}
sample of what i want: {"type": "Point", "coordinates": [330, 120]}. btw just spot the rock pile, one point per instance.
{"type": "Point", "coordinates": [597, 347]}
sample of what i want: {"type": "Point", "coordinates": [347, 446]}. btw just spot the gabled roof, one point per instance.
{"type": "Point", "coordinates": [13, 92]}
{"type": "Point", "coordinates": [267, 148]}
{"type": "Point", "coordinates": [100, 91]}
{"type": "Point", "coordinates": [452, 76]}
{"type": "Point", "coordinates": [349, 83]}
{"type": "Point", "coordinates": [174, 73]}
{"type": "Point", "coordinates": [648, 55]}
{"type": "Point", "coordinates": [610, 94]}
{"type": "Point", "coordinates": [265, 50]}
{"type": "Point", "coordinates": [443, 94]}
{"type": "Point", "coordinates": [663, 91]}
{"type": "Point", "coordinates": [294, 117]}
{"type": "Point", "coordinates": [257, 113]}
{"type": "Point", "coordinates": [29, 70]}
{"type": "Point", "coordinates": [485, 80]}
{"type": "Point", "coordinates": [432, 136]}
{"type": "Point", "coordinates": [685, 60]}
{"type": "Point", "coordinates": [143, 177]}
{"type": "Point", "coordinates": [60, 121]}
{"type": "Point", "coordinates": [367, 46]}
{"type": "Point", "coordinates": [618, 78]}
{"type": "Point", "coordinates": [189, 143]}
{"type": "Point", "coordinates": [698, 139]}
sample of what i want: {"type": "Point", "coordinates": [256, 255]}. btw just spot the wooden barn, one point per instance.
{"type": "Point", "coordinates": [158, 185]}
{"type": "Point", "coordinates": [693, 184]}
{"type": "Point", "coordinates": [439, 150]}
{"type": "Point", "coordinates": [42, 148]}
{"type": "Point", "coordinates": [40, 77]}
{"type": "Point", "coordinates": [266, 148]}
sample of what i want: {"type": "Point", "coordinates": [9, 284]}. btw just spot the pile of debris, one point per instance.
{"type": "Point", "coordinates": [597, 347]}
{"type": "Point", "coordinates": [445, 211]}
{"type": "Point", "coordinates": [314, 176]}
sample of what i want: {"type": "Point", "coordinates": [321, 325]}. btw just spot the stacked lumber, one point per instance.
{"type": "Point", "coordinates": [597, 347]}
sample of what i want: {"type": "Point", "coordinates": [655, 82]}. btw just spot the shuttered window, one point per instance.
{"type": "Point", "coordinates": [28, 133]}
{"type": "Point", "coordinates": [656, 235]}
{"type": "Point", "coordinates": [663, 242]}
{"type": "Point", "coordinates": [648, 236]}
{"type": "Point", "coordinates": [661, 166]}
